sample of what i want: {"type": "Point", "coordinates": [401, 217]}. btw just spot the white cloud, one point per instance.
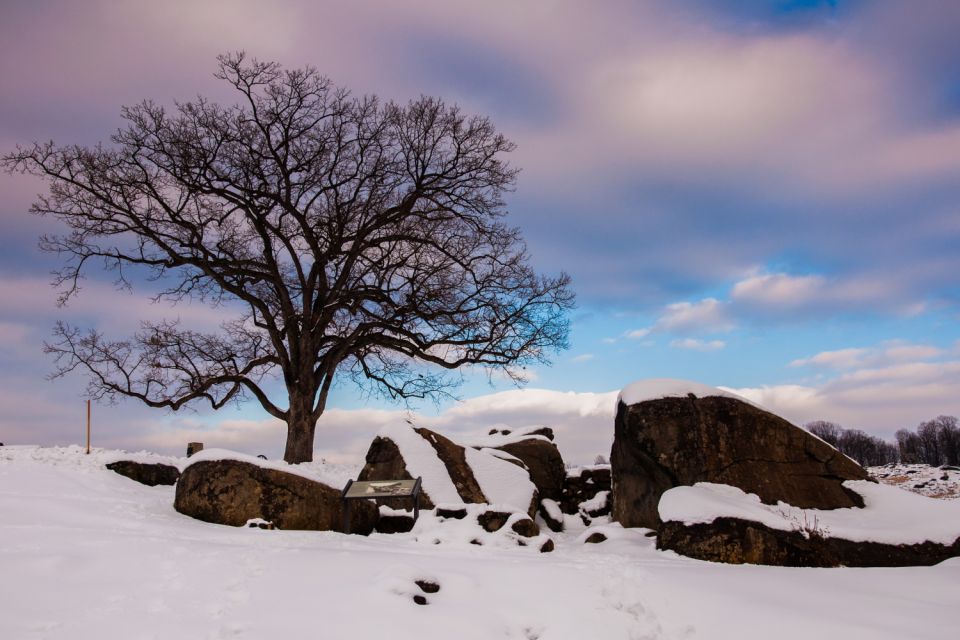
{"type": "Point", "coordinates": [778, 290]}
{"type": "Point", "coordinates": [798, 297]}
{"type": "Point", "coordinates": [879, 400]}
{"type": "Point", "coordinates": [583, 357]}
{"type": "Point", "coordinates": [839, 359]}
{"type": "Point", "coordinates": [698, 345]}
{"type": "Point", "coordinates": [705, 316]}
{"type": "Point", "coordinates": [637, 334]}
{"type": "Point", "coordinates": [887, 352]}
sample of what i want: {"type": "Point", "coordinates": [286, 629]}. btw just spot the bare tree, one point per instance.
{"type": "Point", "coordinates": [358, 238]}
{"type": "Point", "coordinates": [829, 432]}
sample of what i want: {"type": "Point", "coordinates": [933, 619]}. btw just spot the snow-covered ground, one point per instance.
{"type": "Point", "coordinates": [86, 553]}
{"type": "Point", "coordinates": [933, 482]}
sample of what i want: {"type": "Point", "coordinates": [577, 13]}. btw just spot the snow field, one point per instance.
{"type": "Point", "coordinates": [86, 553]}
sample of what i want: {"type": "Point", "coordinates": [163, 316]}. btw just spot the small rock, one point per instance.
{"type": "Point", "coordinates": [595, 538]}
{"type": "Point", "coordinates": [476, 542]}
{"type": "Point", "coordinates": [526, 528]}
{"type": "Point", "coordinates": [144, 473]}
{"type": "Point", "coordinates": [547, 546]}
{"type": "Point", "coordinates": [419, 599]}
{"type": "Point", "coordinates": [455, 513]}
{"type": "Point", "coordinates": [493, 520]}
{"type": "Point", "coordinates": [393, 523]}
{"type": "Point", "coordinates": [427, 586]}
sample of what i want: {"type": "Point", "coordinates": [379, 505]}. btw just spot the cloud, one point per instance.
{"type": "Point", "coordinates": [698, 345]}
{"type": "Point", "coordinates": [705, 316]}
{"type": "Point", "coordinates": [100, 304]}
{"type": "Point", "coordinates": [638, 334]}
{"type": "Point", "coordinates": [583, 357]}
{"type": "Point", "coordinates": [879, 401]}
{"type": "Point", "coordinates": [839, 359]}
{"type": "Point", "coordinates": [852, 358]}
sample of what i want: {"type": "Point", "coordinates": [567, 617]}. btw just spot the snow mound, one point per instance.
{"type": "Point", "coordinates": [507, 435]}
{"type": "Point", "coordinates": [76, 457]}
{"type": "Point", "coordinates": [502, 482]}
{"type": "Point", "coordinates": [889, 516]}
{"type": "Point", "coordinates": [656, 388]}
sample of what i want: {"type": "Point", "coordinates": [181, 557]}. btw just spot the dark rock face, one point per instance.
{"type": "Point", "coordinates": [543, 462]}
{"type": "Point", "coordinates": [232, 492]}
{"type": "Point", "coordinates": [736, 541]}
{"type": "Point", "coordinates": [148, 474]}
{"type": "Point", "coordinates": [668, 442]}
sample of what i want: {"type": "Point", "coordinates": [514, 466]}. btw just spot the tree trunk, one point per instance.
{"type": "Point", "coordinates": [300, 430]}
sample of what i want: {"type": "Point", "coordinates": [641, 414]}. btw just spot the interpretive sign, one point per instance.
{"type": "Point", "coordinates": [365, 489]}
{"type": "Point", "coordinates": [380, 488]}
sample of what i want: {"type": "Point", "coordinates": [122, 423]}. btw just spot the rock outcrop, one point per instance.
{"type": "Point", "coordinates": [232, 492]}
{"type": "Point", "coordinates": [403, 452]}
{"type": "Point", "coordinates": [736, 541]}
{"type": "Point", "coordinates": [581, 489]}
{"type": "Point", "coordinates": [150, 474]}
{"type": "Point", "coordinates": [673, 441]}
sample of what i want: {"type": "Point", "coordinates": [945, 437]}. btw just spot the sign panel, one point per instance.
{"type": "Point", "coordinates": [381, 489]}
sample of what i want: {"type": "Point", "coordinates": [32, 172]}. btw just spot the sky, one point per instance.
{"type": "Point", "coordinates": [763, 196]}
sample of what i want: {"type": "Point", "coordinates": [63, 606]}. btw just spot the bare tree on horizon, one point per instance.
{"type": "Point", "coordinates": [359, 238]}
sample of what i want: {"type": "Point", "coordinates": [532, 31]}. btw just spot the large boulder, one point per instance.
{"type": "Point", "coordinates": [451, 474]}
{"type": "Point", "coordinates": [895, 528]}
{"type": "Point", "coordinates": [671, 433]}
{"type": "Point", "coordinates": [150, 474]}
{"type": "Point", "coordinates": [231, 492]}
{"type": "Point", "coordinates": [736, 541]}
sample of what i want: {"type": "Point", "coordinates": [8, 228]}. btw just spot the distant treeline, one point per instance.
{"type": "Point", "coordinates": [935, 442]}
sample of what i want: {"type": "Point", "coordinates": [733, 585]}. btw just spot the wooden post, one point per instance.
{"type": "Point", "coordinates": [88, 427]}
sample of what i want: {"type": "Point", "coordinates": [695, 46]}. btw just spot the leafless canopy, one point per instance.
{"type": "Point", "coordinates": [358, 238]}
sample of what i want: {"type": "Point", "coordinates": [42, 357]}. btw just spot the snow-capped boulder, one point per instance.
{"type": "Point", "coordinates": [451, 474]}
{"type": "Point", "coordinates": [534, 447]}
{"type": "Point", "coordinates": [150, 474]}
{"type": "Point", "coordinates": [895, 528]}
{"type": "Point", "coordinates": [231, 489]}
{"type": "Point", "coordinates": [670, 433]}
